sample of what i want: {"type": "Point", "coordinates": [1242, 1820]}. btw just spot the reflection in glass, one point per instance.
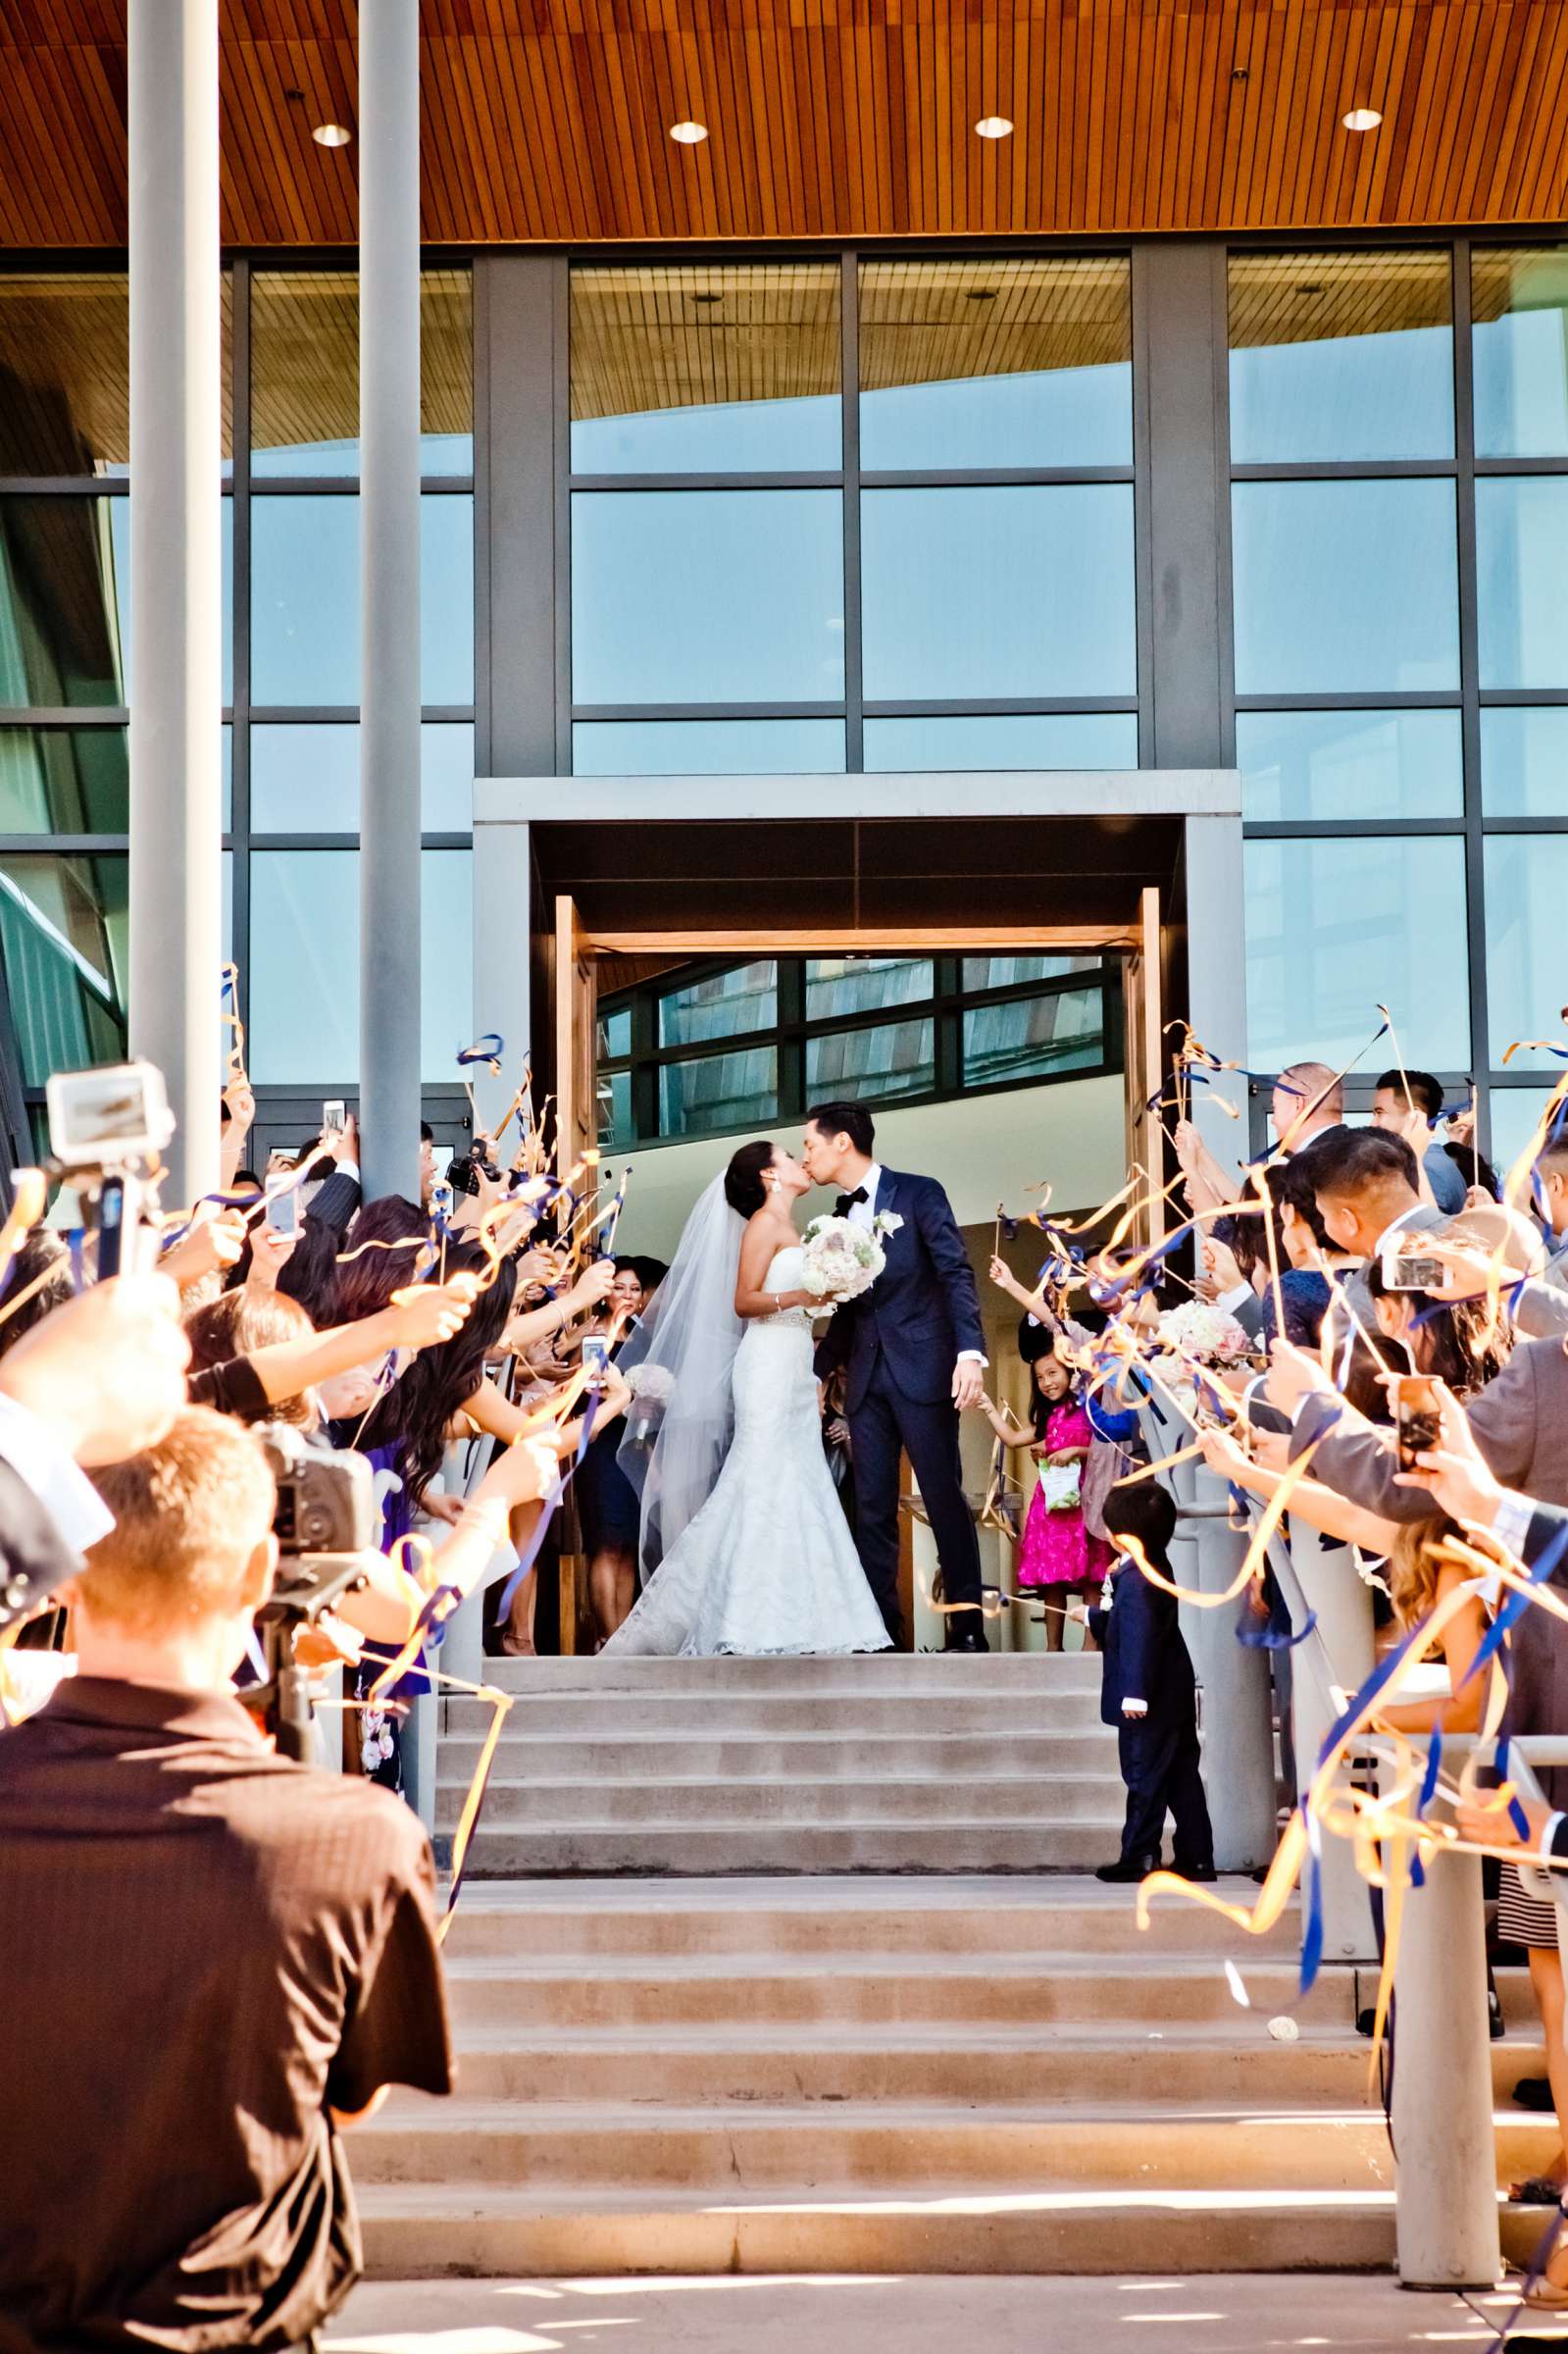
{"type": "Point", "coordinates": [1341, 356]}
{"type": "Point", "coordinates": [724, 1005]}
{"type": "Point", "coordinates": [696, 597]}
{"type": "Point", "coordinates": [1010, 972]}
{"type": "Point", "coordinates": [65, 371]}
{"type": "Point", "coordinates": [708, 747]}
{"type": "Point", "coordinates": [706, 368]}
{"type": "Point", "coordinates": [1521, 579]}
{"type": "Point", "coordinates": [65, 937]}
{"type": "Point", "coordinates": [1331, 926]}
{"type": "Point", "coordinates": [1524, 761]}
{"type": "Point", "coordinates": [1031, 1038]}
{"type": "Point", "coordinates": [304, 372]}
{"type": "Point", "coordinates": [65, 589]}
{"type": "Point", "coordinates": [1345, 587]}
{"type": "Point", "coordinates": [1519, 305]}
{"type": "Point", "coordinates": [1331, 765]}
{"type": "Point", "coordinates": [63, 781]}
{"type": "Point", "coordinates": [304, 965]}
{"type": "Point", "coordinates": [844, 985]}
{"type": "Point", "coordinates": [304, 776]}
{"type": "Point", "coordinates": [990, 362]}
{"type": "Point", "coordinates": [887, 1060]}
{"type": "Point", "coordinates": [1004, 740]}
{"type": "Point", "coordinates": [1527, 890]}
{"type": "Point", "coordinates": [719, 1092]}
{"type": "Point", "coordinates": [614, 1092]}
{"type": "Point", "coordinates": [305, 634]}
{"type": "Point", "coordinates": [615, 1034]}
{"type": "Point", "coordinates": [999, 592]}
{"type": "Point", "coordinates": [1515, 1115]}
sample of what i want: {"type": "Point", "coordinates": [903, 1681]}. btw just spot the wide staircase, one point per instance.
{"type": "Point", "coordinates": [779, 1965]}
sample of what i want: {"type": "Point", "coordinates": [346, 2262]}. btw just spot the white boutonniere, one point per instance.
{"type": "Point", "coordinates": [886, 1222]}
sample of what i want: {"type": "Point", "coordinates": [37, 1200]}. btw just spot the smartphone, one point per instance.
{"type": "Point", "coordinates": [1411, 1274]}
{"type": "Point", "coordinates": [1415, 1416]}
{"type": "Point", "coordinates": [282, 1214]}
{"type": "Point", "coordinates": [596, 1358]}
{"type": "Point", "coordinates": [333, 1114]}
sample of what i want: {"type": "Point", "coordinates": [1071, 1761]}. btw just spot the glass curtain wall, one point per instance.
{"type": "Point", "coordinates": [287, 767]}
{"type": "Point", "coordinates": [830, 515]}
{"type": "Point", "coordinates": [1400, 517]}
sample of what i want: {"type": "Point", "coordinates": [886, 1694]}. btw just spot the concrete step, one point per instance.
{"type": "Point", "coordinates": [527, 1754]}
{"type": "Point", "coordinates": [825, 1918]}
{"type": "Point", "coordinates": [975, 1844]}
{"type": "Point", "coordinates": [727, 1709]}
{"type": "Point", "coordinates": [610, 1797]}
{"type": "Point", "coordinates": [415, 2230]}
{"type": "Point", "coordinates": [1199, 2064]}
{"type": "Point", "coordinates": [928, 1672]}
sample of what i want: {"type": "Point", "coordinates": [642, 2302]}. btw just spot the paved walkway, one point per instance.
{"type": "Point", "coordinates": [1255, 2314]}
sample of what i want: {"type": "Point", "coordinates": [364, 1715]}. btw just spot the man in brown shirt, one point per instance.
{"type": "Point", "coordinates": [209, 1957]}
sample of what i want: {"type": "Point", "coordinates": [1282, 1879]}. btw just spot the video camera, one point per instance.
{"type": "Point", "coordinates": [325, 1524]}
{"type": "Point", "coordinates": [107, 1131]}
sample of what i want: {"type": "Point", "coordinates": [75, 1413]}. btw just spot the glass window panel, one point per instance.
{"type": "Point", "coordinates": [996, 362]}
{"type": "Point", "coordinates": [65, 937]}
{"type": "Point", "coordinates": [1524, 762]}
{"type": "Point", "coordinates": [1335, 928]}
{"type": "Point", "coordinates": [615, 1107]}
{"type": "Point", "coordinates": [615, 1034]}
{"type": "Point", "coordinates": [1515, 1115]}
{"type": "Point", "coordinates": [886, 1061]}
{"type": "Point", "coordinates": [304, 776]}
{"type": "Point", "coordinates": [1004, 740]}
{"type": "Point", "coordinates": [304, 372]}
{"type": "Point", "coordinates": [1329, 765]}
{"type": "Point", "coordinates": [999, 592]}
{"type": "Point", "coordinates": [305, 624]}
{"type": "Point", "coordinates": [1519, 341]}
{"type": "Point", "coordinates": [722, 1004]}
{"type": "Point", "coordinates": [708, 367]}
{"type": "Point", "coordinates": [1010, 972]}
{"type": "Point", "coordinates": [1527, 890]}
{"type": "Point", "coordinates": [65, 368]}
{"type": "Point", "coordinates": [65, 591]}
{"type": "Point", "coordinates": [719, 1092]}
{"type": "Point", "coordinates": [1522, 580]}
{"type": "Point", "coordinates": [843, 985]}
{"type": "Point", "coordinates": [708, 747]}
{"type": "Point", "coordinates": [1341, 356]}
{"type": "Point", "coordinates": [304, 965]}
{"type": "Point", "coordinates": [725, 596]}
{"type": "Point", "coordinates": [1345, 588]}
{"type": "Point", "coordinates": [63, 781]}
{"type": "Point", "coordinates": [1031, 1038]}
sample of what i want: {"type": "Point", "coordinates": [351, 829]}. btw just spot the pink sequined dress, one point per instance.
{"type": "Point", "coordinates": [1057, 1549]}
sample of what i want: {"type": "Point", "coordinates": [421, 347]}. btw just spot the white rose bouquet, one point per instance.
{"type": "Point", "coordinates": [1198, 1329]}
{"type": "Point", "coordinates": [654, 1385]}
{"type": "Point", "coordinates": [843, 1259]}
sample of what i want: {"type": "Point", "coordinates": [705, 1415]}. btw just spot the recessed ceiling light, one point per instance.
{"type": "Point", "coordinates": [1362, 117]}
{"type": "Point", "coordinates": [983, 293]}
{"type": "Point", "coordinates": [993, 127]}
{"type": "Point", "coordinates": [706, 299]}
{"type": "Point", "coordinates": [688, 134]}
{"type": "Point", "coordinates": [331, 134]}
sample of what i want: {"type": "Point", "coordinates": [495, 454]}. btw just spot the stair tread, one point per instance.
{"type": "Point", "coordinates": [493, 2201]}
{"type": "Point", "coordinates": [921, 2035]}
{"type": "Point", "coordinates": [455, 2115]}
{"type": "Point", "coordinates": [602, 1781]}
{"type": "Point", "coordinates": [720, 1968]}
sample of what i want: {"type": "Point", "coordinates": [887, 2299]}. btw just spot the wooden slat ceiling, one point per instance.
{"type": "Point", "coordinates": [548, 119]}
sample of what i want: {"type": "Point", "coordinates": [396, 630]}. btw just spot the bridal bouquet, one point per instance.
{"type": "Point", "coordinates": [843, 1259]}
{"type": "Point", "coordinates": [1196, 1329]}
{"type": "Point", "coordinates": [654, 1385]}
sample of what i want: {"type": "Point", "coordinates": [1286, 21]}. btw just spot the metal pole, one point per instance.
{"type": "Point", "coordinates": [1442, 2113]}
{"type": "Point", "coordinates": [175, 569]}
{"type": "Point", "coordinates": [389, 594]}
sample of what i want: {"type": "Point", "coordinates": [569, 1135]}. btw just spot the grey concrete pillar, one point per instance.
{"type": "Point", "coordinates": [1179, 307]}
{"type": "Point", "coordinates": [175, 571]}
{"type": "Point", "coordinates": [1442, 2118]}
{"type": "Point", "coordinates": [1237, 1720]}
{"type": "Point", "coordinates": [1216, 974]}
{"type": "Point", "coordinates": [502, 944]}
{"type": "Point", "coordinates": [1341, 1650]}
{"type": "Point", "coordinates": [389, 593]}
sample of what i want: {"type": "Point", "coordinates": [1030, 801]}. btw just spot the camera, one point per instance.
{"type": "Point", "coordinates": [109, 1117]}
{"type": "Point", "coordinates": [467, 1169]}
{"type": "Point", "coordinates": [323, 1522]}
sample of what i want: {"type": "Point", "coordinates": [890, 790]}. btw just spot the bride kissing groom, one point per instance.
{"type": "Point", "coordinates": [744, 1549]}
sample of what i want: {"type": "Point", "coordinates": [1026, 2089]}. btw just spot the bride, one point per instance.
{"type": "Point", "coordinates": [745, 1545]}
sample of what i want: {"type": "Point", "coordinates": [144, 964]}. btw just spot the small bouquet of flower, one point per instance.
{"type": "Point", "coordinates": [1197, 1330]}
{"type": "Point", "coordinates": [843, 1259]}
{"type": "Point", "coordinates": [651, 1385]}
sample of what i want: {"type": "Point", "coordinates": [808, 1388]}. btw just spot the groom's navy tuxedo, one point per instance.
{"type": "Point", "coordinates": [897, 1344]}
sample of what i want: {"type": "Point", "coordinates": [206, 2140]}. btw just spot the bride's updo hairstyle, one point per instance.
{"type": "Point", "coordinates": [743, 1187]}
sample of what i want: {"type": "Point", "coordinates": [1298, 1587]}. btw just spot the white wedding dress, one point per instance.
{"type": "Point", "coordinates": [767, 1567]}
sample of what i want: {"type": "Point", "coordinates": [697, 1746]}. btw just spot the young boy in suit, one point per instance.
{"type": "Point", "coordinates": [1147, 1691]}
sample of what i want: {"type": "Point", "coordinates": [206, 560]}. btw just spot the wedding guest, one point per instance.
{"type": "Point", "coordinates": [1551, 1201]}
{"type": "Point", "coordinates": [1307, 1102]}
{"type": "Point", "coordinates": [1058, 1554]}
{"type": "Point", "coordinates": [1405, 1100]}
{"type": "Point", "coordinates": [238, 1324]}
{"type": "Point", "coordinates": [609, 1509]}
{"type": "Point", "coordinates": [1229, 1275]}
{"type": "Point", "coordinates": [1150, 1693]}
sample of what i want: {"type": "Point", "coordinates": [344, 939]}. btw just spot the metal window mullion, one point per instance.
{"type": "Point", "coordinates": [561, 573]}
{"type": "Point", "coordinates": [1142, 504]}
{"type": "Point", "coordinates": [1470, 690]}
{"type": "Point", "coordinates": [239, 814]}
{"type": "Point", "coordinates": [850, 398]}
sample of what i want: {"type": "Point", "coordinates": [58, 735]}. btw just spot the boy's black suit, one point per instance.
{"type": "Point", "coordinates": [1146, 1658]}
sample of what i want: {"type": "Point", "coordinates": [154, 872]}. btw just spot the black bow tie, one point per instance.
{"type": "Point", "coordinates": [846, 1201]}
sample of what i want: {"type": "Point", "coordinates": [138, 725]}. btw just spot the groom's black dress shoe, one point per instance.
{"type": "Point", "coordinates": [1129, 1869]}
{"type": "Point", "coordinates": [968, 1638]}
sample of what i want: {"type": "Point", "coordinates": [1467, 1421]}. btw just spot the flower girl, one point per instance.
{"type": "Point", "coordinates": [1057, 1551]}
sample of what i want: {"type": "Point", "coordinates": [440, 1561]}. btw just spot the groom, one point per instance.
{"type": "Point", "coordinates": [915, 1355]}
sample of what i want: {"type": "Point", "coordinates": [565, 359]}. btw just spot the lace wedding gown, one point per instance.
{"type": "Point", "coordinates": [767, 1567]}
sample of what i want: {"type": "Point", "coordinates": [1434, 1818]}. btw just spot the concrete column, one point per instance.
{"type": "Point", "coordinates": [1447, 2180]}
{"type": "Point", "coordinates": [175, 570]}
{"type": "Point", "coordinates": [502, 945]}
{"type": "Point", "coordinates": [1341, 1650]}
{"type": "Point", "coordinates": [1179, 306]}
{"type": "Point", "coordinates": [389, 594]}
{"type": "Point", "coordinates": [1216, 974]}
{"type": "Point", "coordinates": [1237, 1720]}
